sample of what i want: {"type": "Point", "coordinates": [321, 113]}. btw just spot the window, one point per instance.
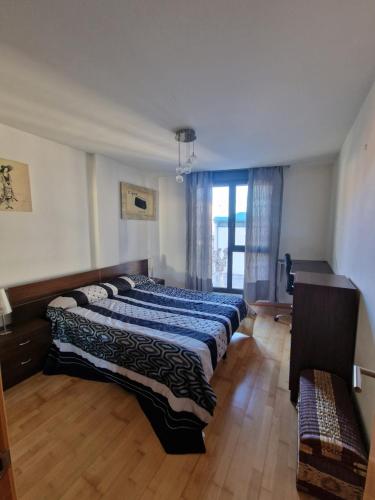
{"type": "Point", "coordinates": [229, 206]}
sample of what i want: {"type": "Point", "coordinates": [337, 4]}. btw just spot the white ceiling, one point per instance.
{"type": "Point", "coordinates": [261, 81]}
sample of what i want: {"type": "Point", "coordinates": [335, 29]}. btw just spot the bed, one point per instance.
{"type": "Point", "coordinates": [160, 343]}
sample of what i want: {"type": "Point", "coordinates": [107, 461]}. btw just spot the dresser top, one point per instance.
{"type": "Point", "coordinates": [320, 279]}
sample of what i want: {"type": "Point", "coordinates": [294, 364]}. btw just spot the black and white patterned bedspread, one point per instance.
{"type": "Point", "coordinates": [164, 342]}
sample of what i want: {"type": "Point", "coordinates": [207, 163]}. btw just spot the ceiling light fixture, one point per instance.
{"type": "Point", "coordinates": [188, 137]}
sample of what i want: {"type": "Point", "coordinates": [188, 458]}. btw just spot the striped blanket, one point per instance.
{"type": "Point", "coordinates": [161, 343]}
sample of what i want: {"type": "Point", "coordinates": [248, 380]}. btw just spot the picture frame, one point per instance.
{"type": "Point", "coordinates": [137, 202]}
{"type": "Point", "coordinates": [15, 192]}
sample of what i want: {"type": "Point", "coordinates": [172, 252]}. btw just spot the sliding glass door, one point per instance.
{"type": "Point", "coordinates": [229, 202]}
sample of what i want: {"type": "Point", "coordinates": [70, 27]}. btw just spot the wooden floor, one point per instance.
{"type": "Point", "coordinates": [75, 439]}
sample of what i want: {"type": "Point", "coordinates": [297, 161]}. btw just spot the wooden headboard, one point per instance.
{"type": "Point", "coordinates": [30, 301]}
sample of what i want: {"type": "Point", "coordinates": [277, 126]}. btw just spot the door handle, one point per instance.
{"type": "Point", "coordinates": [4, 462]}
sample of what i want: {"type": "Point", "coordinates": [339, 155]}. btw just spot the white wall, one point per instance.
{"type": "Point", "coordinates": [306, 212]}
{"type": "Point", "coordinates": [172, 208]}
{"type": "Point", "coordinates": [53, 239]}
{"type": "Point", "coordinates": [354, 237]}
{"type": "Point", "coordinates": [76, 222]}
{"type": "Point", "coordinates": [121, 240]}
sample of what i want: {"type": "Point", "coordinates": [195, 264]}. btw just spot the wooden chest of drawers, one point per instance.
{"type": "Point", "coordinates": [324, 322]}
{"type": "Point", "coordinates": [23, 351]}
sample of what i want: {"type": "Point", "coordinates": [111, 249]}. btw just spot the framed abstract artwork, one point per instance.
{"type": "Point", "coordinates": [138, 202]}
{"type": "Point", "coordinates": [15, 194]}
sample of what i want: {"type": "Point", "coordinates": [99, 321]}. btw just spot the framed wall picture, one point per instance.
{"type": "Point", "coordinates": [15, 194]}
{"type": "Point", "coordinates": [138, 202]}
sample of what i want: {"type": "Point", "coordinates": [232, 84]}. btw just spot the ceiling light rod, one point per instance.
{"type": "Point", "coordinates": [186, 136]}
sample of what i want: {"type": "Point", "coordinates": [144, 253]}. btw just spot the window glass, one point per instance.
{"type": "Point", "coordinates": [220, 215]}
{"type": "Point", "coordinates": [238, 270]}
{"type": "Point", "coordinates": [240, 220]}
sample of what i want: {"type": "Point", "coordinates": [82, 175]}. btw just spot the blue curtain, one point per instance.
{"type": "Point", "coordinates": [264, 205]}
{"type": "Point", "coordinates": [199, 239]}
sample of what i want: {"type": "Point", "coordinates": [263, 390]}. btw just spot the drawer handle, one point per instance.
{"type": "Point", "coordinates": [24, 343]}
{"type": "Point", "coordinates": [25, 362]}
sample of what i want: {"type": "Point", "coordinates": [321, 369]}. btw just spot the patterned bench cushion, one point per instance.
{"type": "Point", "coordinates": [332, 458]}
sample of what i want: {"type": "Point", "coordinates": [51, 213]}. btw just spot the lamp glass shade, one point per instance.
{"type": "Point", "coordinates": [5, 307]}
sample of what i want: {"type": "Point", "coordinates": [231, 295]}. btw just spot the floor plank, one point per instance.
{"type": "Point", "coordinates": [76, 439]}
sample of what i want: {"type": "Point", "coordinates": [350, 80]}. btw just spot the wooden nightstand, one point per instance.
{"type": "Point", "coordinates": [159, 281]}
{"type": "Point", "coordinates": [23, 351]}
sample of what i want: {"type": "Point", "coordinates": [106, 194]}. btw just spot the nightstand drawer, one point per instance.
{"type": "Point", "coordinates": [159, 281]}
{"type": "Point", "coordinates": [24, 350]}
{"type": "Point", "coordinates": [18, 369]}
{"type": "Point", "coordinates": [23, 345]}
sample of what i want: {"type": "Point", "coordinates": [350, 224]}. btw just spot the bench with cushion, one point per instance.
{"type": "Point", "coordinates": [332, 461]}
